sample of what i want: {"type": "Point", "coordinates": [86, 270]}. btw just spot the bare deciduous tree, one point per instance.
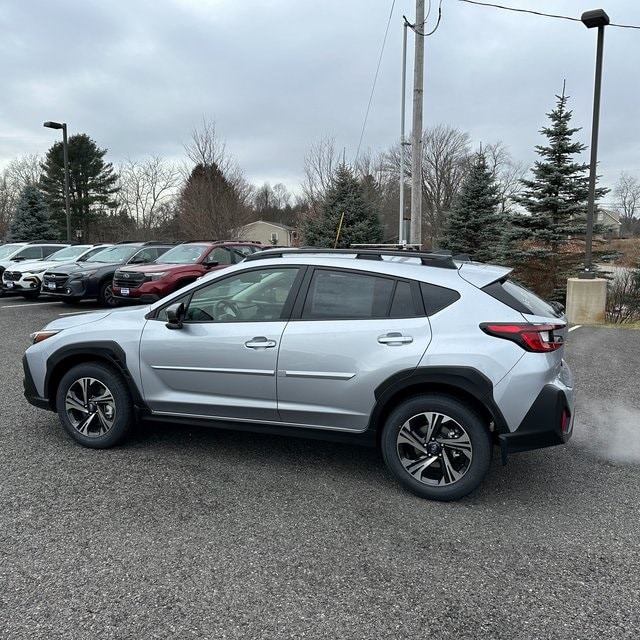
{"type": "Point", "coordinates": [445, 161]}
{"type": "Point", "coordinates": [627, 200]}
{"type": "Point", "coordinates": [320, 165]}
{"type": "Point", "coordinates": [214, 201]}
{"type": "Point", "coordinates": [506, 172]}
{"type": "Point", "coordinates": [144, 187]}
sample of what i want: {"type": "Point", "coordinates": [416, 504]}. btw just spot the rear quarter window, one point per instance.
{"type": "Point", "coordinates": [437, 298]}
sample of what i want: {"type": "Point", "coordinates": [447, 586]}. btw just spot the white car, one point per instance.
{"type": "Point", "coordinates": [25, 278]}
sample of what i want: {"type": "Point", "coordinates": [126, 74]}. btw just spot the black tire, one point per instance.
{"type": "Point", "coordinates": [106, 297]}
{"type": "Point", "coordinates": [33, 295]}
{"type": "Point", "coordinates": [437, 447]}
{"type": "Point", "coordinates": [71, 300]}
{"type": "Point", "coordinates": [94, 405]}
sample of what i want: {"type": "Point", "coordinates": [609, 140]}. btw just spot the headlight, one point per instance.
{"type": "Point", "coordinates": [38, 270]}
{"type": "Point", "coordinates": [39, 336]}
{"type": "Point", "coordinates": [83, 275]}
{"type": "Point", "coordinates": [155, 276]}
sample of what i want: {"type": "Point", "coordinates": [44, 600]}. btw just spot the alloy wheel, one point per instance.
{"type": "Point", "coordinates": [434, 449]}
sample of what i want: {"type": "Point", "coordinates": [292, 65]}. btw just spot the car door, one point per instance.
{"type": "Point", "coordinates": [222, 362]}
{"type": "Point", "coordinates": [352, 331]}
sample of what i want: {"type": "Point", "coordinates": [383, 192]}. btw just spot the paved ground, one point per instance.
{"type": "Point", "coordinates": [201, 534]}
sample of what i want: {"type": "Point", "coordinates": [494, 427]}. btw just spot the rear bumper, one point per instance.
{"type": "Point", "coordinates": [548, 422]}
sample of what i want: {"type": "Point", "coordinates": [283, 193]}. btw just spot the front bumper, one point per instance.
{"type": "Point", "coordinates": [30, 391]}
{"type": "Point", "coordinates": [70, 289]}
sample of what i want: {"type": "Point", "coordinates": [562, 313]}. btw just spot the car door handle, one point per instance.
{"type": "Point", "coordinates": [260, 342]}
{"type": "Point", "coordinates": [394, 339]}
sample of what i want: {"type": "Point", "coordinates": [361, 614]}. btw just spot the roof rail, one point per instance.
{"type": "Point", "coordinates": [428, 259]}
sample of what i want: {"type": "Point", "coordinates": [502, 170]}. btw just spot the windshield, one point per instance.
{"type": "Point", "coordinates": [119, 253]}
{"type": "Point", "coordinates": [183, 254]}
{"type": "Point", "coordinates": [68, 253]}
{"type": "Point", "coordinates": [8, 249]}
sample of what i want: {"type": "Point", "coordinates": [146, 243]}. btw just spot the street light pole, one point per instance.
{"type": "Point", "coordinates": [596, 18]}
{"type": "Point", "coordinates": [65, 153]}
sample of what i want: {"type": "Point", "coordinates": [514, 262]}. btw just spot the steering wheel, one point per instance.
{"type": "Point", "coordinates": [226, 307]}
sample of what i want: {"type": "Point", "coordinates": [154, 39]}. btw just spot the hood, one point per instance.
{"type": "Point", "coordinates": [94, 316]}
{"type": "Point", "coordinates": [78, 267]}
{"type": "Point", "coordinates": [34, 265]}
{"type": "Point", "coordinates": [149, 267]}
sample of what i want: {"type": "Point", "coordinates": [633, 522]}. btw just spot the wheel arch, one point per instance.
{"type": "Point", "coordinates": [105, 352]}
{"type": "Point", "coordinates": [461, 383]}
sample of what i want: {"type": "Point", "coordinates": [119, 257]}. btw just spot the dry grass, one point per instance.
{"type": "Point", "coordinates": [629, 248]}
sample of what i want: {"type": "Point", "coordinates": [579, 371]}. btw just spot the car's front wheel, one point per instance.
{"type": "Point", "coordinates": [436, 446]}
{"type": "Point", "coordinates": [94, 405]}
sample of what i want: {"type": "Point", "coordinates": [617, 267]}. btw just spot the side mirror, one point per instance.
{"type": "Point", "coordinates": [212, 263]}
{"type": "Point", "coordinates": [175, 315]}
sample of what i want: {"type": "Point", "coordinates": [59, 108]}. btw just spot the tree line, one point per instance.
{"type": "Point", "coordinates": [475, 201]}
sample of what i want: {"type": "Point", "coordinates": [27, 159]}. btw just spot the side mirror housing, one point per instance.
{"type": "Point", "coordinates": [175, 315]}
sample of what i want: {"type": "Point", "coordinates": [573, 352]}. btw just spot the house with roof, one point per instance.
{"type": "Point", "coordinates": [270, 233]}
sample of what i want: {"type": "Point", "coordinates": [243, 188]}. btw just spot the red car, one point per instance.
{"type": "Point", "coordinates": [177, 267]}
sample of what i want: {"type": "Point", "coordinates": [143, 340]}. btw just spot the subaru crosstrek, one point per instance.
{"type": "Point", "coordinates": [176, 268]}
{"type": "Point", "coordinates": [433, 360]}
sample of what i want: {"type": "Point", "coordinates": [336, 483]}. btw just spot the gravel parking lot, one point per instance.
{"type": "Point", "coordinates": [206, 534]}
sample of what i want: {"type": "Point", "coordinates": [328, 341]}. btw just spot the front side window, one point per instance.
{"type": "Point", "coordinates": [31, 253]}
{"type": "Point", "coordinates": [251, 296]}
{"type": "Point", "coordinates": [221, 255]}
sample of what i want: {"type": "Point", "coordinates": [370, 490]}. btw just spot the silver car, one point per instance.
{"type": "Point", "coordinates": [430, 359]}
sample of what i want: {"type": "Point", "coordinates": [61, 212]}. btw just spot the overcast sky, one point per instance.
{"type": "Point", "coordinates": [277, 75]}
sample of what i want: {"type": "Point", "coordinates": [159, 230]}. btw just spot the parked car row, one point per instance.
{"type": "Point", "coordinates": [138, 272]}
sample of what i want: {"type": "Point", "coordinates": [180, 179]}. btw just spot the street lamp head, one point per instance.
{"type": "Point", "coordinates": [52, 125]}
{"type": "Point", "coordinates": [595, 18]}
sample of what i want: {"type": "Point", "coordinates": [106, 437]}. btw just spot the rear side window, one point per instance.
{"type": "Point", "coordinates": [519, 298]}
{"type": "Point", "coordinates": [342, 295]}
{"type": "Point", "coordinates": [437, 298]}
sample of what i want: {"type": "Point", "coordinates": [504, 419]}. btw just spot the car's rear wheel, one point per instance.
{"type": "Point", "coordinates": [106, 297]}
{"type": "Point", "coordinates": [437, 447]}
{"type": "Point", "coordinates": [94, 405]}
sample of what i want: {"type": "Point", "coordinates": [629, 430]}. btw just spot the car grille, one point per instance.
{"type": "Point", "coordinates": [14, 276]}
{"type": "Point", "coordinates": [128, 279]}
{"type": "Point", "coordinates": [59, 279]}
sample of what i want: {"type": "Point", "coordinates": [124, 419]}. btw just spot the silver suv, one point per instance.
{"type": "Point", "coordinates": [430, 359]}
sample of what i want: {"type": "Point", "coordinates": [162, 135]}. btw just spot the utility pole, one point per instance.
{"type": "Point", "coordinates": [416, 133]}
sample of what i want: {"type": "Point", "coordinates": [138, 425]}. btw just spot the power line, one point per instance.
{"type": "Point", "coordinates": [545, 15]}
{"type": "Point", "coordinates": [375, 79]}
{"type": "Point", "coordinates": [414, 27]}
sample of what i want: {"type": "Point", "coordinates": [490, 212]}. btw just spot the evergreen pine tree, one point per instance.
{"type": "Point", "coordinates": [556, 199]}
{"type": "Point", "coordinates": [475, 226]}
{"type": "Point", "coordinates": [92, 183]}
{"type": "Point", "coordinates": [361, 223]}
{"type": "Point", "coordinates": [32, 219]}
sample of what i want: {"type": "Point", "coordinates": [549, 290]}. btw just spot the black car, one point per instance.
{"type": "Point", "coordinates": [74, 282]}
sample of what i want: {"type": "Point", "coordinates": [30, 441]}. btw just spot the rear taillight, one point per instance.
{"type": "Point", "coordinates": [565, 422]}
{"type": "Point", "coordinates": [538, 338]}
